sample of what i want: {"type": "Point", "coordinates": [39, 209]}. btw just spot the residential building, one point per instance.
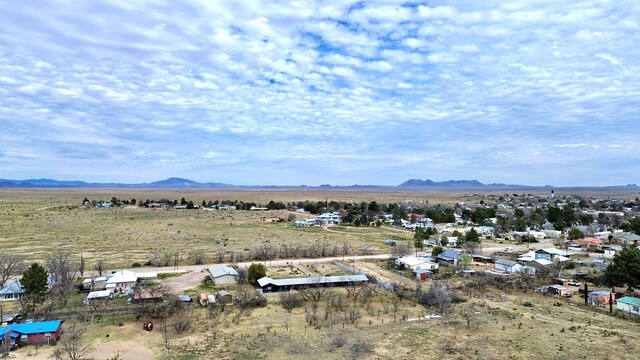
{"type": "Point", "coordinates": [629, 305]}
{"type": "Point", "coordinates": [507, 265]}
{"type": "Point", "coordinates": [267, 284]}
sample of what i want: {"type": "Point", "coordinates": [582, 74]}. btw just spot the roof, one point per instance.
{"type": "Point", "coordinates": [628, 237]}
{"type": "Point", "coordinates": [312, 280]}
{"type": "Point", "coordinates": [555, 251]}
{"type": "Point", "coordinates": [218, 271]}
{"type": "Point", "coordinates": [505, 262]}
{"type": "Point", "coordinates": [543, 262]}
{"type": "Point", "coordinates": [629, 300]}
{"type": "Point", "coordinates": [94, 280]}
{"type": "Point", "coordinates": [559, 287]}
{"type": "Point", "coordinates": [599, 292]}
{"type": "Point", "coordinates": [184, 298]}
{"type": "Point", "coordinates": [422, 271]}
{"type": "Point", "coordinates": [123, 276]}
{"type": "Point", "coordinates": [16, 287]}
{"type": "Point", "coordinates": [36, 327]}
{"type": "Point", "coordinates": [224, 292]}
{"type": "Point", "coordinates": [449, 255]}
{"type": "Point", "coordinates": [411, 261]}
{"type": "Point", "coordinates": [99, 294]}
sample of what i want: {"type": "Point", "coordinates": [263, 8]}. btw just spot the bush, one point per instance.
{"type": "Point", "coordinates": [136, 264]}
{"type": "Point", "coordinates": [255, 272]}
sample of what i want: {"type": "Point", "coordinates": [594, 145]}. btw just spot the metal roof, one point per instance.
{"type": "Point", "coordinates": [629, 300]}
{"type": "Point", "coordinates": [312, 280]}
{"type": "Point", "coordinates": [449, 255]}
{"type": "Point", "coordinates": [99, 294]}
{"type": "Point", "coordinates": [505, 262]}
{"type": "Point", "coordinates": [36, 327]}
{"type": "Point", "coordinates": [218, 271]}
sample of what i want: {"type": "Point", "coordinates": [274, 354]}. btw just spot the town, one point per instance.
{"type": "Point", "coordinates": [402, 262]}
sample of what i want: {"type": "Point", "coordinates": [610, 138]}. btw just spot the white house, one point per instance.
{"type": "Point", "coordinates": [14, 291]}
{"type": "Point", "coordinates": [507, 265]}
{"type": "Point", "coordinates": [629, 305]}
{"type": "Point", "coordinates": [452, 241]}
{"type": "Point", "coordinates": [416, 263]}
{"type": "Point", "coordinates": [221, 275]}
{"type": "Point", "coordinates": [329, 219]}
{"type": "Point", "coordinates": [94, 283]}
{"type": "Point", "coordinates": [121, 281]}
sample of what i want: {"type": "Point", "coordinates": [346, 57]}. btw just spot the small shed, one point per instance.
{"type": "Point", "coordinates": [223, 296]}
{"type": "Point", "coordinates": [600, 297]}
{"type": "Point", "coordinates": [184, 298]}
{"type": "Point", "coordinates": [422, 274]}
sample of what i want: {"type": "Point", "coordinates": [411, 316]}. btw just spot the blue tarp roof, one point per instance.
{"type": "Point", "coordinates": [36, 327]}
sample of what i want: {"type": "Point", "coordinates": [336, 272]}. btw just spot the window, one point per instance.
{"type": "Point", "coordinates": [24, 338]}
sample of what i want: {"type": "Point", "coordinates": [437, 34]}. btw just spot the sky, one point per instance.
{"type": "Point", "coordinates": [321, 92]}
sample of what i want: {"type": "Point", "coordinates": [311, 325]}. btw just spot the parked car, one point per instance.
{"type": "Point", "coordinates": [574, 283]}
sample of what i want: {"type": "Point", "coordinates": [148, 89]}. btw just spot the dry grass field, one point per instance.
{"type": "Point", "coordinates": [35, 221]}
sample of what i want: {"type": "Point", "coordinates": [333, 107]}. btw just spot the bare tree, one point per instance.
{"type": "Point", "coordinates": [156, 302]}
{"type": "Point", "coordinates": [471, 315]}
{"type": "Point", "coordinates": [197, 257]}
{"type": "Point", "coordinates": [5, 347]}
{"type": "Point", "coordinates": [353, 314]}
{"type": "Point", "coordinates": [183, 320]}
{"type": "Point", "coordinates": [160, 259]}
{"type": "Point", "coordinates": [290, 300]}
{"type": "Point", "coordinates": [63, 270]}
{"type": "Point", "coordinates": [315, 291]}
{"type": "Point", "coordinates": [346, 247]}
{"type": "Point", "coordinates": [73, 344]}
{"type": "Point", "coordinates": [81, 265]}
{"type": "Point", "coordinates": [401, 249]}
{"type": "Point", "coordinates": [100, 267]}
{"type": "Point", "coordinates": [220, 256]}
{"type": "Point", "coordinates": [471, 246]}
{"type": "Point", "coordinates": [438, 296]}
{"type": "Point", "coordinates": [10, 265]}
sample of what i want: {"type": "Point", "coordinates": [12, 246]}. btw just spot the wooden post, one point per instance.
{"type": "Point", "coordinates": [611, 300]}
{"type": "Point", "coordinates": [586, 293]}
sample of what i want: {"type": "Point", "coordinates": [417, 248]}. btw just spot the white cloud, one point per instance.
{"type": "Point", "coordinates": [383, 86]}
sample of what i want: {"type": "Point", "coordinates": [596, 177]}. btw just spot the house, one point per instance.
{"type": "Point", "coordinates": [32, 333]}
{"type": "Point", "coordinates": [553, 254]}
{"type": "Point", "coordinates": [452, 241]}
{"type": "Point", "coordinates": [600, 297]}
{"type": "Point", "coordinates": [612, 250]}
{"type": "Point", "coordinates": [94, 283]}
{"type": "Point", "coordinates": [507, 265]}
{"type": "Point", "coordinates": [221, 275]}
{"type": "Point", "coordinates": [329, 219]}
{"type": "Point", "coordinates": [416, 263]}
{"type": "Point", "coordinates": [121, 281]}
{"type": "Point", "coordinates": [449, 257]}
{"type": "Point", "coordinates": [629, 305]}
{"type": "Point", "coordinates": [555, 290]}
{"type": "Point", "coordinates": [13, 291]}
{"type": "Point", "coordinates": [538, 265]}
{"type": "Point", "coordinates": [267, 284]}
{"type": "Point", "coordinates": [96, 298]}
{"type": "Point", "coordinates": [300, 223]}
{"type": "Point", "coordinates": [626, 239]}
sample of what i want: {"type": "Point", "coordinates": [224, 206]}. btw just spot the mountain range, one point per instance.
{"type": "Point", "coordinates": [180, 183]}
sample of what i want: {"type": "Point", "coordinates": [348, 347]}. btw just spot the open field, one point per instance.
{"type": "Point", "coordinates": [35, 221]}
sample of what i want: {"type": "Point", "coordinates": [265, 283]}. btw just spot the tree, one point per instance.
{"type": "Point", "coordinates": [63, 271]}
{"type": "Point", "coordinates": [444, 240]}
{"type": "Point", "coordinates": [100, 267]}
{"type": "Point", "coordinates": [575, 234]}
{"type": "Point", "coordinates": [255, 272]}
{"type": "Point", "coordinates": [73, 343]}
{"type": "Point", "coordinates": [472, 236]}
{"type": "Point", "coordinates": [634, 225]}
{"type": "Point", "coordinates": [418, 244]}
{"type": "Point", "coordinates": [624, 269]}
{"type": "Point", "coordinates": [10, 265]}
{"type": "Point", "coordinates": [471, 315]}
{"type": "Point", "coordinates": [437, 250]}
{"type": "Point", "coordinates": [34, 283]}
{"type": "Point", "coordinates": [290, 300]}
{"type": "Point", "coordinates": [466, 261]}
